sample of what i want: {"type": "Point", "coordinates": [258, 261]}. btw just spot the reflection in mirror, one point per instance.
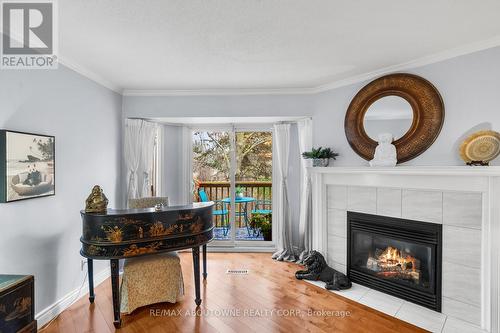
{"type": "Point", "coordinates": [390, 114]}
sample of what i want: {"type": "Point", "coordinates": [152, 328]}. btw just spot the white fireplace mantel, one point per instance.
{"type": "Point", "coordinates": [483, 180]}
{"type": "Point", "coordinates": [412, 170]}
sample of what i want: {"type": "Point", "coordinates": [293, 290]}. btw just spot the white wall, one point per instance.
{"type": "Point", "coordinates": [41, 236]}
{"type": "Point", "coordinates": [172, 163]}
{"type": "Point", "coordinates": [218, 106]}
{"type": "Point", "coordinates": [469, 86]}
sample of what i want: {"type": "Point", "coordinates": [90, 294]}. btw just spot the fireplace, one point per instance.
{"type": "Point", "coordinates": [396, 256]}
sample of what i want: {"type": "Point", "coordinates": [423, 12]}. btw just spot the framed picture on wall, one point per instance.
{"type": "Point", "coordinates": [27, 165]}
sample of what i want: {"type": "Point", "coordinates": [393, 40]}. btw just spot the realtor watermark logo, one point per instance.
{"type": "Point", "coordinates": [29, 35]}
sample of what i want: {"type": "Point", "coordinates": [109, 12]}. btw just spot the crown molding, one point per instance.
{"type": "Point", "coordinates": [89, 74]}
{"type": "Point", "coordinates": [427, 60]}
{"type": "Point", "coordinates": [219, 92]}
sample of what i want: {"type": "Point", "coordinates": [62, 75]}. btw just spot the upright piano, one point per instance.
{"type": "Point", "coordinates": [121, 234]}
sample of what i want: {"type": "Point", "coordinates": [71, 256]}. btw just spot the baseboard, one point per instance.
{"type": "Point", "coordinates": [52, 311]}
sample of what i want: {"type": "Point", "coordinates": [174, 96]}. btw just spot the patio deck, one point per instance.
{"type": "Point", "coordinates": [219, 190]}
{"type": "Point", "coordinates": [241, 234]}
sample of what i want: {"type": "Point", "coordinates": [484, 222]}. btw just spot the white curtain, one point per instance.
{"type": "Point", "coordinates": [305, 223]}
{"type": "Point", "coordinates": [282, 215]}
{"type": "Point", "coordinates": [133, 128]}
{"type": "Point", "coordinates": [139, 145]}
{"type": "Point", "coordinates": [147, 142]}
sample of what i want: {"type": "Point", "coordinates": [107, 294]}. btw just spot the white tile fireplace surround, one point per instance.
{"type": "Point", "coordinates": [465, 200]}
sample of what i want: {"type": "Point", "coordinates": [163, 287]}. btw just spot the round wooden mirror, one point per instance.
{"type": "Point", "coordinates": [405, 105]}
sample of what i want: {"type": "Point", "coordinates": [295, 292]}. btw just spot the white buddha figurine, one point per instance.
{"type": "Point", "coordinates": [385, 153]}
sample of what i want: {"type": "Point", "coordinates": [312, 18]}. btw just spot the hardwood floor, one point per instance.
{"type": "Point", "coordinates": [269, 286]}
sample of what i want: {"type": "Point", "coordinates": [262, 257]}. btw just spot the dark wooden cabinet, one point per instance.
{"type": "Point", "coordinates": [17, 304]}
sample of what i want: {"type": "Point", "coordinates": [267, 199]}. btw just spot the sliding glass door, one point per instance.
{"type": "Point", "coordinates": [233, 167]}
{"type": "Point", "coordinates": [212, 163]}
{"type": "Point", "coordinates": [253, 194]}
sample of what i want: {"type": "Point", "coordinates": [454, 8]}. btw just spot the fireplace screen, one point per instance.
{"type": "Point", "coordinates": [399, 257]}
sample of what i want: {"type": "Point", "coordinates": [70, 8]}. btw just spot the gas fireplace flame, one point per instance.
{"type": "Point", "coordinates": [394, 263]}
{"type": "Point", "coordinates": [392, 256]}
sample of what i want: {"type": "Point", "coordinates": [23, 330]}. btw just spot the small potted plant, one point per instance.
{"type": "Point", "coordinates": [264, 223]}
{"type": "Point", "coordinates": [239, 192]}
{"type": "Point", "coordinates": [321, 156]}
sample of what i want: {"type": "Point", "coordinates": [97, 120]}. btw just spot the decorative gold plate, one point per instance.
{"type": "Point", "coordinates": [480, 147]}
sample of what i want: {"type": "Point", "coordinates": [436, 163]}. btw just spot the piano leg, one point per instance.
{"type": "Point", "coordinates": [90, 266]}
{"type": "Point", "coordinates": [196, 266]}
{"type": "Point", "coordinates": [205, 262]}
{"type": "Point", "coordinates": [115, 287]}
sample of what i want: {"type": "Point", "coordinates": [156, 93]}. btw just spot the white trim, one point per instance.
{"type": "Point", "coordinates": [232, 185]}
{"type": "Point", "coordinates": [219, 92]}
{"type": "Point", "coordinates": [412, 170]}
{"type": "Point", "coordinates": [319, 237]}
{"type": "Point", "coordinates": [426, 60]}
{"type": "Point", "coordinates": [89, 75]}
{"type": "Point", "coordinates": [274, 191]}
{"type": "Point", "coordinates": [52, 311]}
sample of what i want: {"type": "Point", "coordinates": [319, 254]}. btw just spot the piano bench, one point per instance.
{"type": "Point", "coordinates": [151, 279]}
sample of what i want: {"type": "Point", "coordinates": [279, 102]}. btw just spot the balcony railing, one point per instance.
{"type": "Point", "coordinates": [219, 190]}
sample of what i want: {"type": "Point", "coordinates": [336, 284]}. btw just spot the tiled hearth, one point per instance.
{"type": "Point", "coordinates": [459, 200]}
{"type": "Point", "coordinates": [406, 311]}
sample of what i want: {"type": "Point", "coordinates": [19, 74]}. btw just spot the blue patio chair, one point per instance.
{"type": "Point", "coordinates": [220, 210]}
{"type": "Point", "coordinates": [263, 207]}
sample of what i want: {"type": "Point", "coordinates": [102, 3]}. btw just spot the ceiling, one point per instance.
{"type": "Point", "coordinates": [261, 44]}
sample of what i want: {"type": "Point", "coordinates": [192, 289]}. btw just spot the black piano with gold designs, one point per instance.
{"type": "Point", "coordinates": [120, 234]}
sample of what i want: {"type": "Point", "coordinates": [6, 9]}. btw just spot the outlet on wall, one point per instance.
{"type": "Point", "coordinates": [82, 264]}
